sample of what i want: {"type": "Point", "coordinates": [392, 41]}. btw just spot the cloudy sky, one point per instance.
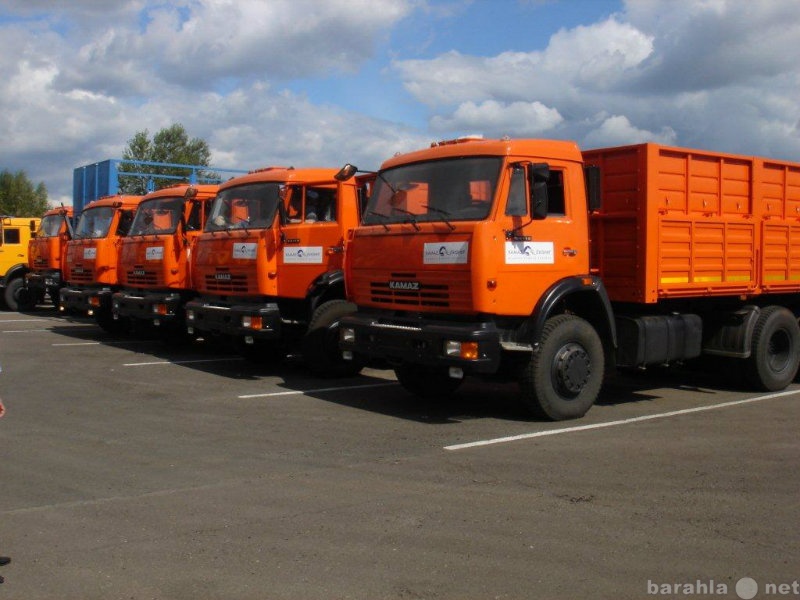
{"type": "Point", "coordinates": [322, 82]}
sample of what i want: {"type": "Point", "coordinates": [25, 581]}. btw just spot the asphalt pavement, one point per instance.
{"type": "Point", "coordinates": [131, 469]}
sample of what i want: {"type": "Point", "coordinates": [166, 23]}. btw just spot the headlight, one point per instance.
{"type": "Point", "coordinates": [465, 350]}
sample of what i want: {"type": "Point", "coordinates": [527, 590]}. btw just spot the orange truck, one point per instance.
{"type": "Point", "coordinates": [530, 260]}
{"type": "Point", "coordinates": [91, 259]}
{"type": "Point", "coordinates": [268, 266]}
{"type": "Point", "coordinates": [46, 256]}
{"type": "Point", "coordinates": [154, 260]}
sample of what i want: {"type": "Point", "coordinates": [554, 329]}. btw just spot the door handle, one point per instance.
{"type": "Point", "coordinates": [569, 252]}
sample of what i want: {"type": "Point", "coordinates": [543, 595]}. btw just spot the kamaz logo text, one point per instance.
{"type": "Point", "coordinates": [404, 285]}
{"type": "Point", "coordinates": [223, 276]}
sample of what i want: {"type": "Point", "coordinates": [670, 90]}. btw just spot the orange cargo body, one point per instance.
{"type": "Point", "coordinates": [679, 223]}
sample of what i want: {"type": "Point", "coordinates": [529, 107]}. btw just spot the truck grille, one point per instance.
{"type": "Point", "coordinates": [142, 277]}
{"type": "Point", "coordinates": [80, 275]}
{"type": "Point", "coordinates": [232, 283]}
{"type": "Point", "coordinates": [429, 294]}
{"type": "Point", "coordinates": [434, 291]}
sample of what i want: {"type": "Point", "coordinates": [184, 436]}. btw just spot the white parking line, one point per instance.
{"type": "Point", "coordinates": [22, 320]}
{"type": "Point", "coordinates": [105, 343]}
{"type": "Point", "coordinates": [182, 362]}
{"type": "Point", "coordinates": [327, 389]}
{"type": "Point", "coordinates": [674, 413]}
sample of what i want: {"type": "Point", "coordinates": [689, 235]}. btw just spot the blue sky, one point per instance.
{"type": "Point", "coordinates": [322, 82]}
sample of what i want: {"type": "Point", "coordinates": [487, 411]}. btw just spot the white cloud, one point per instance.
{"type": "Point", "coordinates": [716, 74]}
{"type": "Point", "coordinates": [617, 130]}
{"type": "Point", "coordinates": [496, 119]}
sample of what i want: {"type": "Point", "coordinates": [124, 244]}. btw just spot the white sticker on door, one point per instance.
{"type": "Point", "coordinates": [311, 255]}
{"type": "Point", "coordinates": [529, 253]}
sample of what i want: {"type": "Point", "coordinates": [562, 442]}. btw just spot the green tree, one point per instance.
{"type": "Point", "coordinates": [19, 197]}
{"type": "Point", "coordinates": [169, 145]}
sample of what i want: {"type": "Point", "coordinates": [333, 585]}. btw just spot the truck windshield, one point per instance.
{"type": "Point", "coordinates": [458, 189]}
{"type": "Point", "coordinates": [95, 222]}
{"type": "Point", "coordinates": [251, 205]}
{"type": "Point", "coordinates": [50, 226]}
{"type": "Point", "coordinates": [157, 216]}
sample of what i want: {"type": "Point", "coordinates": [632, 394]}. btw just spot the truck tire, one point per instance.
{"type": "Point", "coordinates": [564, 375]}
{"type": "Point", "coordinates": [775, 350]}
{"type": "Point", "coordinates": [430, 383]}
{"type": "Point", "coordinates": [321, 341]}
{"type": "Point", "coordinates": [15, 295]}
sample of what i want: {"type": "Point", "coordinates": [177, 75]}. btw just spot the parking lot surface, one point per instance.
{"type": "Point", "coordinates": [133, 469]}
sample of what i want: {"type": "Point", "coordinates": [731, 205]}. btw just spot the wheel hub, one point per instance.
{"type": "Point", "coordinates": [571, 369]}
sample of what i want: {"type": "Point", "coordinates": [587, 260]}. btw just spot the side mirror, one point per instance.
{"type": "Point", "coordinates": [346, 172]}
{"type": "Point", "coordinates": [32, 225]}
{"type": "Point", "coordinates": [538, 174]}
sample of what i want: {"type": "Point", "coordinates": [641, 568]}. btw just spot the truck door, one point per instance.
{"type": "Point", "coordinates": [536, 253]}
{"type": "Point", "coordinates": [312, 241]}
{"type": "Point", "coordinates": [13, 247]}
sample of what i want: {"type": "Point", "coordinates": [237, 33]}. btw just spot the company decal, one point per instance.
{"type": "Point", "coordinates": [154, 253]}
{"type": "Point", "coordinates": [89, 253]}
{"type": "Point", "coordinates": [529, 253]}
{"type": "Point", "coordinates": [311, 255]}
{"type": "Point", "coordinates": [445, 253]}
{"type": "Point", "coordinates": [246, 250]}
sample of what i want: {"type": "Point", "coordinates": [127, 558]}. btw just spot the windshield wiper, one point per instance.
{"type": "Point", "coordinates": [382, 216]}
{"type": "Point", "coordinates": [444, 214]}
{"type": "Point", "coordinates": [412, 217]}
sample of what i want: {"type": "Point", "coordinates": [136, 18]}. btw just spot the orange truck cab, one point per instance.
{"type": "Point", "coordinates": [154, 261]}
{"type": "Point", "coordinates": [92, 256]}
{"type": "Point", "coordinates": [532, 261]}
{"type": "Point", "coordinates": [46, 254]}
{"type": "Point", "coordinates": [268, 266]}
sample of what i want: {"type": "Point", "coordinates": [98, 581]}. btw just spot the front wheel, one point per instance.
{"type": "Point", "coordinates": [321, 341]}
{"type": "Point", "coordinates": [16, 296]}
{"type": "Point", "coordinates": [563, 378]}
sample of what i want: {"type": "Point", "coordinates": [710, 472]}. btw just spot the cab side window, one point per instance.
{"type": "Point", "coordinates": [517, 203]}
{"type": "Point", "coordinates": [320, 205]}
{"type": "Point", "coordinates": [555, 193]}
{"type": "Point", "coordinates": [125, 220]}
{"type": "Point", "coordinates": [11, 236]}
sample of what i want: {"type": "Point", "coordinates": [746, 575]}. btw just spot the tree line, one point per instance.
{"type": "Point", "coordinates": [20, 197]}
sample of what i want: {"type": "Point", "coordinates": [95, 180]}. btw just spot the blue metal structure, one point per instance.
{"type": "Point", "coordinates": [99, 179]}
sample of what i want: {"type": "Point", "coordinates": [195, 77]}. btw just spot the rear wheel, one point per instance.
{"type": "Point", "coordinates": [775, 349]}
{"type": "Point", "coordinates": [430, 383]}
{"type": "Point", "coordinates": [321, 341]}
{"type": "Point", "coordinates": [564, 375]}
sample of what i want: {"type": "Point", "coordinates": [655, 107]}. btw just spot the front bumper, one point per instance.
{"type": "Point", "coordinates": [232, 320]}
{"type": "Point", "coordinates": [420, 341]}
{"type": "Point", "coordinates": [85, 300]}
{"type": "Point", "coordinates": [164, 307]}
{"type": "Point", "coordinates": [41, 282]}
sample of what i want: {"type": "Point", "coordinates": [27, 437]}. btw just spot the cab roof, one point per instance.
{"type": "Point", "coordinates": [284, 175]}
{"type": "Point", "coordinates": [470, 146]}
